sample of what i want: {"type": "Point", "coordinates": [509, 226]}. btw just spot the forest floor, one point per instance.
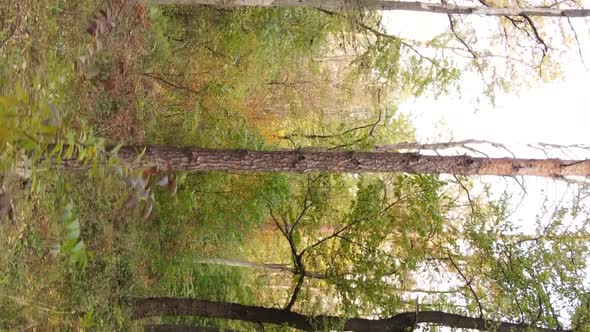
{"type": "Point", "coordinates": [119, 92]}
{"type": "Point", "coordinates": [177, 75]}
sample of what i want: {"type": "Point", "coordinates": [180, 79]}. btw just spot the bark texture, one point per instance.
{"type": "Point", "coordinates": [181, 328]}
{"type": "Point", "coordinates": [148, 307]}
{"type": "Point", "coordinates": [335, 5]}
{"type": "Point", "coordinates": [302, 161]}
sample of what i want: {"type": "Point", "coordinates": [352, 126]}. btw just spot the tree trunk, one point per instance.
{"type": "Point", "coordinates": [303, 161]}
{"type": "Point", "coordinates": [257, 266]}
{"type": "Point", "coordinates": [181, 328]}
{"type": "Point", "coordinates": [335, 5]}
{"type": "Point", "coordinates": [246, 264]}
{"type": "Point", "coordinates": [148, 307]}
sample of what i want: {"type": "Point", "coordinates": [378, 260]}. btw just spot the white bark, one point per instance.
{"type": "Point", "coordinates": [335, 5]}
{"type": "Point", "coordinates": [246, 264]}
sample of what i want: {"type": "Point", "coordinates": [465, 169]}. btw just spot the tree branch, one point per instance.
{"type": "Point", "coordinates": [174, 85]}
{"type": "Point", "coordinates": [296, 291]}
{"type": "Point", "coordinates": [468, 283]}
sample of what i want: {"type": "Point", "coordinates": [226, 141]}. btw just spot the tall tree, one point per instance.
{"type": "Point", "coordinates": [302, 160]}
{"type": "Point", "coordinates": [401, 322]}
{"type": "Point", "coordinates": [394, 241]}
{"type": "Point", "coordinates": [335, 5]}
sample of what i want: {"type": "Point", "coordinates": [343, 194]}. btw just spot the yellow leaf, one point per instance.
{"type": "Point", "coordinates": [5, 134]}
{"type": "Point", "coordinates": [7, 101]}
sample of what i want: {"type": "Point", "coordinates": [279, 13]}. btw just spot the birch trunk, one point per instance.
{"type": "Point", "coordinates": [336, 5]}
{"type": "Point", "coordinates": [256, 266]}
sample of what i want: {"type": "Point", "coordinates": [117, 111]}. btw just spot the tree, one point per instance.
{"type": "Point", "coordinates": [389, 238]}
{"type": "Point", "coordinates": [181, 328]}
{"type": "Point", "coordinates": [401, 322]}
{"type": "Point", "coordinates": [303, 160]}
{"type": "Point", "coordinates": [523, 45]}
{"type": "Point", "coordinates": [336, 5]}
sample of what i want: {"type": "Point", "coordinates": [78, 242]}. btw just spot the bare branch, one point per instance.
{"type": "Point", "coordinates": [569, 21]}
{"type": "Point", "coordinates": [458, 36]}
{"type": "Point", "coordinates": [342, 133]}
{"type": "Point", "coordinates": [468, 284]}
{"type": "Point", "coordinates": [443, 146]}
{"type": "Point", "coordinates": [540, 40]}
{"type": "Point", "coordinates": [385, 36]}
{"type": "Point", "coordinates": [331, 236]}
{"type": "Point", "coordinates": [171, 84]}
{"type": "Point", "coordinates": [471, 204]}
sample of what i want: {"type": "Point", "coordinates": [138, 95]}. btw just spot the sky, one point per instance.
{"type": "Point", "coordinates": [555, 112]}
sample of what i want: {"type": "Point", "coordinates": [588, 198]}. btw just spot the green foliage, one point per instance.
{"type": "Point", "coordinates": [354, 132]}
{"type": "Point", "coordinates": [186, 279]}
{"type": "Point", "coordinates": [247, 78]}
{"type": "Point", "coordinates": [72, 246]}
{"type": "Point", "coordinates": [581, 317]}
{"type": "Point", "coordinates": [388, 238]}
{"type": "Point", "coordinates": [215, 210]}
{"type": "Point", "coordinates": [384, 56]}
{"type": "Point", "coordinates": [53, 275]}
